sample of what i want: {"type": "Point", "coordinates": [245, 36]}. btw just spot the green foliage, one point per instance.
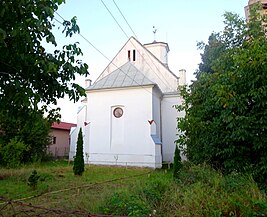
{"type": "Point", "coordinates": [32, 78]}
{"type": "Point", "coordinates": [202, 191]}
{"type": "Point", "coordinates": [33, 179]}
{"type": "Point", "coordinates": [125, 203]}
{"type": "Point", "coordinates": [13, 153]}
{"type": "Point", "coordinates": [154, 189]}
{"type": "Point", "coordinates": [198, 191]}
{"type": "Point", "coordinates": [141, 200]}
{"type": "Point", "coordinates": [78, 167]}
{"type": "Point", "coordinates": [177, 162]}
{"type": "Point", "coordinates": [226, 107]}
{"type": "Point", "coordinates": [29, 73]}
{"type": "Point", "coordinates": [212, 51]}
{"type": "Point", "coordinates": [31, 129]}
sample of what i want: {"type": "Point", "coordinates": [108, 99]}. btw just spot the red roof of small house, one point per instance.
{"type": "Point", "coordinates": [63, 125]}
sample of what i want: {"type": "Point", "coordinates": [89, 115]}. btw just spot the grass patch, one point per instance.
{"type": "Point", "coordinates": [198, 191]}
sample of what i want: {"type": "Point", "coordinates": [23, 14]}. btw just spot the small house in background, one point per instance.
{"type": "Point", "coordinates": [60, 139]}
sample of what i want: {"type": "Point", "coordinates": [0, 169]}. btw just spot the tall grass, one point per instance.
{"type": "Point", "coordinates": [197, 191]}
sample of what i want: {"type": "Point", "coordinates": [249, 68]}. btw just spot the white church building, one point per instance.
{"type": "Point", "coordinates": [128, 117]}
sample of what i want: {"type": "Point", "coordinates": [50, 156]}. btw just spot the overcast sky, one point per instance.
{"type": "Point", "coordinates": [179, 23]}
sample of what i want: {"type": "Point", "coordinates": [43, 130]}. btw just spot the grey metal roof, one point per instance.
{"type": "Point", "coordinates": [125, 76]}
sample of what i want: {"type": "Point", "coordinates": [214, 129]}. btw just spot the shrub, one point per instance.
{"type": "Point", "coordinates": [33, 179]}
{"type": "Point", "coordinates": [13, 153]}
{"type": "Point", "coordinates": [78, 167]}
{"type": "Point", "coordinates": [31, 129]}
{"type": "Point", "coordinates": [177, 163]}
{"type": "Point", "coordinates": [225, 107]}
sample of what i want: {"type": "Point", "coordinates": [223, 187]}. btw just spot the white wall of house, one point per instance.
{"type": "Point", "coordinates": [121, 141]}
{"type": "Point", "coordinates": [169, 124]}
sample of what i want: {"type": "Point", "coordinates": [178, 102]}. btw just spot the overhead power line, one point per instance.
{"type": "Point", "coordinates": [115, 19]}
{"type": "Point", "coordinates": [91, 44]}
{"type": "Point", "coordinates": [125, 19]}
{"type": "Point", "coordinates": [165, 82]}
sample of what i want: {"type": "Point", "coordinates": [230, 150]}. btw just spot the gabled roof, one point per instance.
{"type": "Point", "coordinates": [125, 76]}
{"type": "Point", "coordinates": [63, 126]}
{"type": "Point", "coordinates": [145, 63]}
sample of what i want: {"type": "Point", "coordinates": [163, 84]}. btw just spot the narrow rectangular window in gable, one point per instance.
{"type": "Point", "coordinates": [129, 55]}
{"type": "Point", "coordinates": [133, 55]}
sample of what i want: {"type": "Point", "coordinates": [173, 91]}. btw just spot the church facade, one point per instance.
{"type": "Point", "coordinates": [128, 117]}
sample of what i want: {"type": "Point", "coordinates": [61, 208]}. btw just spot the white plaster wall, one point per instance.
{"type": "Point", "coordinates": [169, 125]}
{"type": "Point", "coordinates": [81, 119]}
{"type": "Point", "coordinates": [138, 148]}
{"type": "Point", "coordinates": [146, 63]}
{"type": "Point", "coordinates": [159, 50]}
{"type": "Point", "coordinates": [157, 110]}
{"type": "Point", "coordinates": [73, 139]}
{"type": "Point", "coordinates": [158, 156]}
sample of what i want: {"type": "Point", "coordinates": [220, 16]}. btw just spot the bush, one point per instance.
{"type": "Point", "coordinates": [225, 107]}
{"type": "Point", "coordinates": [78, 167]}
{"type": "Point", "coordinates": [33, 179]}
{"type": "Point", "coordinates": [31, 129]}
{"type": "Point", "coordinates": [13, 153]}
{"type": "Point", "coordinates": [177, 163]}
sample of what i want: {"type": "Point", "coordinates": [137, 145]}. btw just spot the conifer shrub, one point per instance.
{"type": "Point", "coordinates": [177, 162]}
{"type": "Point", "coordinates": [78, 167]}
{"type": "Point", "coordinates": [33, 179]}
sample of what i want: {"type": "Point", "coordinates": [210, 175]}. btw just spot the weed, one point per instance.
{"type": "Point", "coordinates": [155, 188]}
{"type": "Point", "coordinates": [125, 203]}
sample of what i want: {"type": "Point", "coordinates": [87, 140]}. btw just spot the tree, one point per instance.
{"type": "Point", "coordinates": [212, 51]}
{"type": "Point", "coordinates": [78, 167]}
{"type": "Point", "coordinates": [31, 78]}
{"type": "Point", "coordinates": [31, 129]}
{"type": "Point", "coordinates": [29, 75]}
{"type": "Point", "coordinates": [177, 163]}
{"type": "Point", "coordinates": [226, 110]}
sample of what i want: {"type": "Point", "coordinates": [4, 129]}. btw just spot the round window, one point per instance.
{"type": "Point", "coordinates": [118, 112]}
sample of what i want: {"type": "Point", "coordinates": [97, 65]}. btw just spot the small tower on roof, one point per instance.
{"type": "Point", "coordinates": [158, 49]}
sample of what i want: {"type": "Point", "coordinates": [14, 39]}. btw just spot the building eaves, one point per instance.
{"type": "Point", "coordinates": [63, 126]}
